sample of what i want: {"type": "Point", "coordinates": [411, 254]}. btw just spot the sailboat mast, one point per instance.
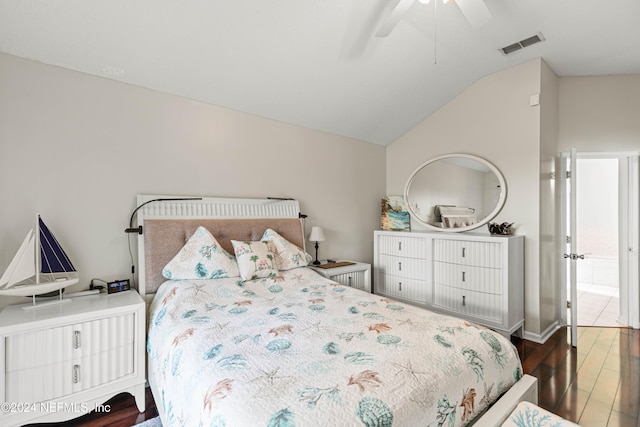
{"type": "Point", "coordinates": [37, 249]}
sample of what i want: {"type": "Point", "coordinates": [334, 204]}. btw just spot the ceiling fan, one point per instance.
{"type": "Point", "coordinates": [475, 11]}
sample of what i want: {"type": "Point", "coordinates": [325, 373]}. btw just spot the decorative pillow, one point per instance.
{"type": "Point", "coordinates": [201, 257]}
{"type": "Point", "coordinates": [288, 255]}
{"type": "Point", "coordinates": [256, 260]}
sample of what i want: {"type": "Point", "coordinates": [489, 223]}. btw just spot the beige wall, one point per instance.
{"type": "Point", "coordinates": [600, 113]}
{"type": "Point", "coordinates": [491, 119]}
{"type": "Point", "coordinates": [550, 240]}
{"type": "Point", "coordinates": [78, 148]}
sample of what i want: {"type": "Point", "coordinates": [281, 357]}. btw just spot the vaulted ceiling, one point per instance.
{"type": "Point", "coordinates": [318, 63]}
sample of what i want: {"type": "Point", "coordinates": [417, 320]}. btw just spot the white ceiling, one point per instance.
{"type": "Point", "coordinates": [316, 63]}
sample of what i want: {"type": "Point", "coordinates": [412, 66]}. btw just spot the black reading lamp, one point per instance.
{"type": "Point", "coordinates": [138, 229]}
{"type": "Point", "coordinates": [317, 235]}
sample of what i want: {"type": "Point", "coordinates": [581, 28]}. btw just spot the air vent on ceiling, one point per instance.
{"type": "Point", "coordinates": [536, 38]}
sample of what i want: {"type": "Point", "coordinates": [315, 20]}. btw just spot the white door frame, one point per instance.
{"type": "Point", "coordinates": [629, 241]}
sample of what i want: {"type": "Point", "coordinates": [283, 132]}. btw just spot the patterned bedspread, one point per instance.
{"type": "Point", "coordinates": [301, 350]}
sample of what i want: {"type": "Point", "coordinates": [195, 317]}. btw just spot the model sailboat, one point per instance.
{"type": "Point", "coordinates": [40, 266]}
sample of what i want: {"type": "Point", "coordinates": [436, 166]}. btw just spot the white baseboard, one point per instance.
{"type": "Point", "coordinates": [546, 334]}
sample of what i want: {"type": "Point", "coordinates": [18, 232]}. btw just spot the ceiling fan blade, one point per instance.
{"type": "Point", "coordinates": [476, 12]}
{"type": "Point", "coordinates": [396, 14]}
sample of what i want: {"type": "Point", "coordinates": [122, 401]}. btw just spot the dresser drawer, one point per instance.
{"type": "Point", "coordinates": [400, 287]}
{"type": "Point", "coordinates": [403, 267]}
{"type": "Point", "coordinates": [481, 254]}
{"type": "Point", "coordinates": [479, 305]}
{"type": "Point", "coordinates": [404, 246]}
{"type": "Point", "coordinates": [479, 279]}
{"type": "Point", "coordinates": [51, 346]}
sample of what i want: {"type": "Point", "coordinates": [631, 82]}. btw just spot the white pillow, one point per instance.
{"type": "Point", "coordinates": [256, 260]}
{"type": "Point", "coordinates": [201, 257]}
{"type": "Point", "coordinates": [288, 255]}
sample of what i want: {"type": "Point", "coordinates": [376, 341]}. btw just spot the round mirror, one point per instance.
{"type": "Point", "coordinates": [455, 192]}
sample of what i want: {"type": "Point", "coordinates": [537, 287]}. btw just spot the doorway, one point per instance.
{"type": "Point", "coordinates": [604, 259]}
{"type": "Point", "coordinates": [598, 278]}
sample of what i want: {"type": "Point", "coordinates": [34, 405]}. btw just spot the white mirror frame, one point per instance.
{"type": "Point", "coordinates": [499, 205]}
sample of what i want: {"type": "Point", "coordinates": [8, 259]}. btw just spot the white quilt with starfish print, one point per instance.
{"type": "Point", "coordinates": [301, 350]}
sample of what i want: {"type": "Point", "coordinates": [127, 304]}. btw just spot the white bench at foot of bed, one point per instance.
{"type": "Point", "coordinates": [528, 414]}
{"type": "Point", "coordinates": [524, 390]}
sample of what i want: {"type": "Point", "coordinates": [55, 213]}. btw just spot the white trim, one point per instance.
{"type": "Point", "coordinates": [546, 334]}
{"type": "Point", "coordinates": [563, 236]}
{"type": "Point", "coordinates": [629, 225]}
{"type": "Point", "coordinates": [634, 218]}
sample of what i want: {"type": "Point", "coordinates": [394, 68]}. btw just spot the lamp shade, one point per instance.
{"type": "Point", "coordinates": [316, 235]}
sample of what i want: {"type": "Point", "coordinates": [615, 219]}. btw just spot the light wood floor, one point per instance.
{"type": "Point", "coordinates": [596, 385]}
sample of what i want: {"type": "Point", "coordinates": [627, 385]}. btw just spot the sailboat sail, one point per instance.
{"type": "Point", "coordinates": [40, 253]}
{"type": "Point", "coordinates": [23, 264]}
{"type": "Point", "coordinates": [53, 257]}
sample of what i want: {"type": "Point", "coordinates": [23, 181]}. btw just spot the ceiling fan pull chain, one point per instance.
{"type": "Point", "coordinates": [435, 32]}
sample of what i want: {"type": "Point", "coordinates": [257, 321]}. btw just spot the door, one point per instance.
{"type": "Point", "coordinates": [600, 217]}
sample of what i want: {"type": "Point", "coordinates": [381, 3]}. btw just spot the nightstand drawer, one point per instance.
{"type": "Point", "coordinates": [51, 346]}
{"type": "Point", "coordinates": [354, 274]}
{"type": "Point", "coordinates": [60, 379]}
{"type": "Point", "coordinates": [356, 279]}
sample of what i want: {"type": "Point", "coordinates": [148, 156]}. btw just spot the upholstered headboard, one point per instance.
{"type": "Point", "coordinates": [167, 225]}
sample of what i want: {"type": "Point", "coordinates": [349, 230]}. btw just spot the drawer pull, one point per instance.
{"type": "Point", "coordinates": [400, 266]}
{"type": "Point", "coordinates": [464, 252]}
{"type": "Point", "coordinates": [463, 276]}
{"type": "Point", "coordinates": [399, 286]}
{"type": "Point", "coordinates": [464, 303]}
{"type": "Point", "coordinates": [399, 246]}
{"type": "Point", "coordinates": [76, 374]}
{"type": "Point", "coordinates": [349, 277]}
{"type": "Point", "coordinates": [76, 339]}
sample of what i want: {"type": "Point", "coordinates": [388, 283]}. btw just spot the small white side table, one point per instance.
{"type": "Point", "coordinates": [357, 275]}
{"type": "Point", "coordinates": [63, 361]}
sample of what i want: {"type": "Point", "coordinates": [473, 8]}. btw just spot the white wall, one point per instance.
{"type": "Point", "coordinates": [78, 148]}
{"type": "Point", "coordinates": [491, 119]}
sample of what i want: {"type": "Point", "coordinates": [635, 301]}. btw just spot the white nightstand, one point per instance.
{"type": "Point", "coordinates": [63, 361]}
{"type": "Point", "coordinates": [357, 275]}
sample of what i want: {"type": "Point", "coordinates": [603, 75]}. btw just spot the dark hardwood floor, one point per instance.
{"type": "Point", "coordinates": [597, 384]}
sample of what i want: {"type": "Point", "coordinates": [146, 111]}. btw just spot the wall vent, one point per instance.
{"type": "Point", "coordinates": [536, 38]}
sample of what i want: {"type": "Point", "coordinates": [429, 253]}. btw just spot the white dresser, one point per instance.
{"type": "Point", "coordinates": [63, 361]}
{"type": "Point", "coordinates": [473, 276]}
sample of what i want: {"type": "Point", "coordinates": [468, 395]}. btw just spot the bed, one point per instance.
{"type": "Point", "coordinates": [294, 348]}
